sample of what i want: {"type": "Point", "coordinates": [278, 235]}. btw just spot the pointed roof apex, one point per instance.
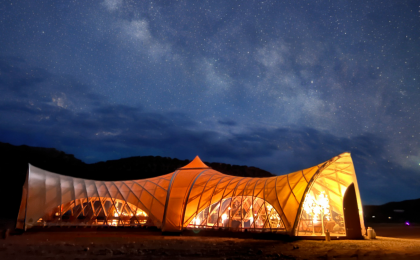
{"type": "Point", "coordinates": [195, 164]}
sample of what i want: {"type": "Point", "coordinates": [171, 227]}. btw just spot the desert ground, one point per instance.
{"type": "Point", "coordinates": [88, 244]}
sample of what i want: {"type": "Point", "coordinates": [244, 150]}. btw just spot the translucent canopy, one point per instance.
{"type": "Point", "coordinates": [196, 196]}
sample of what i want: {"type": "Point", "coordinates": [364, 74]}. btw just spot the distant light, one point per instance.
{"type": "Point", "coordinates": [389, 217]}
{"type": "Point", "coordinates": [373, 216]}
{"type": "Point", "coordinates": [407, 223]}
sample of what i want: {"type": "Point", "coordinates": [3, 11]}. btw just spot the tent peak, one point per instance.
{"type": "Point", "coordinates": [195, 164]}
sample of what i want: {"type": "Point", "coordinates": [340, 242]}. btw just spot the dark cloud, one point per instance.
{"type": "Point", "coordinates": [18, 79]}
{"type": "Point", "coordinates": [119, 131]}
{"type": "Point", "coordinates": [227, 122]}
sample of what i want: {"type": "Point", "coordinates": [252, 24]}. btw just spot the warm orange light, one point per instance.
{"type": "Point", "coordinates": [315, 207]}
{"type": "Point", "coordinates": [224, 216]}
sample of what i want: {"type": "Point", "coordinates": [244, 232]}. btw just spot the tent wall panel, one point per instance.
{"type": "Point", "coordinates": [36, 196]}
{"type": "Point", "coordinates": [160, 195]}
{"type": "Point", "coordinates": [79, 188]}
{"type": "Point", "coordinates": [230, 189]}
{"type": "Point", "coordinates": [208, 191]}
{"type": "Point", "coordinates": [259, 187]}
{"type": "Point", "coordinates": [220, 189]}
{"type": "Point", "coordinates": [175, 207]}
{"type": "Point", "coordinates": [214, 190]}
{"type": "Point", "coordinates": [249, 189]}
{"type": "Point", "coordinates": [283, 190]}
{"type": "Point", "coordinates": [198, 191]}
{"type": "Point", "coordinates": [20, 223]}
{"type": "Point", "coordinates": [52, 193]}
{"type": "Point", "coordinates": [299, 189]}
{"type": "Point", "coordinates": [310, 172]}
{"type": "Point", "coordinates": [67, 191]}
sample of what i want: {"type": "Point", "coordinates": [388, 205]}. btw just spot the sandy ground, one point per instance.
{"type": "Point", "coordinates": [397, 230]}
{"type": "Point", "coordinates": [130, 245]}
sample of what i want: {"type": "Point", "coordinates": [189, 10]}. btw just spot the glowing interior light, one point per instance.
{"type": "Point", "coordinates": [224, 216]}
{"type": "Point", "coordinates": [115, 214]}
{"type": "Point", "coordinates": [317, 208]}
{"type": "Point", "coordinates": [309, 203]}
{"type": "Point", "coordinates": [324, 204]}
{"type": "Point", "coordinates": [229, 208]}
{"type": "Point", "coordinates": [57, 213]}
{"type": "Point", "coordinates": [251, 219]}
{"type": "Point", "coordinates": [140, 213]}
{"type": "Point", "coordinates": [197, 221]}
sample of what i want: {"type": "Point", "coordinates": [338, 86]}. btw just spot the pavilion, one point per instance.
{"type": "Point", "coordinates": [303, 203]}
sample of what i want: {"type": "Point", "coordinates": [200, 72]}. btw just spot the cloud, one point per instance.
{"type": "Point", "coordinates": [138, 29]}
{"type": "Point", "coordinates": [273, 55]}
{"type": "Point", "coordinates": [217, 82]}
{"type": "Point", "coordinates": [138, 37]}
{"type": "Point", "coordinates": [112, 5]}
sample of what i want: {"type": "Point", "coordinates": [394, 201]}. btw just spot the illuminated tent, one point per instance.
{"type": "Point", "coordinates": [303, 203]}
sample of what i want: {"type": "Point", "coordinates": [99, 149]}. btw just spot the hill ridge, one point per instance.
{"type": "Point", "coordinates": [14, 164]}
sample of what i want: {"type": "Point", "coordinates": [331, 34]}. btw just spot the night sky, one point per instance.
{"type": "Point", "coordinates": [280, 85]}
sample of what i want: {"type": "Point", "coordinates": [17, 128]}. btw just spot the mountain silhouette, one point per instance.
{"type": "Point", "coordinates": [14, 165]}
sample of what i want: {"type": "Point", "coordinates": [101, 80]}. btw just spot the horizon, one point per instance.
{"type": "Point", "coordinates": [281, 86]}
{"type": "Point", "coordinates": [172, 158]}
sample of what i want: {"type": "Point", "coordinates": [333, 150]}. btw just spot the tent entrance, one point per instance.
{"type": "Point", "coordinates": [351, 213]}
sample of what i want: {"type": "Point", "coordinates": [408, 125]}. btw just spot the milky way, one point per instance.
{"type": "Point", "coordinates": [280, 85]}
